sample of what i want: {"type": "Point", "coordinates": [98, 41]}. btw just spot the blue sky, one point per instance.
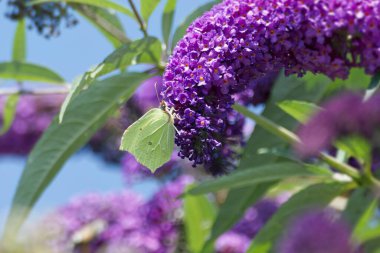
{"type": "Point", "coordinates": [71, 54]}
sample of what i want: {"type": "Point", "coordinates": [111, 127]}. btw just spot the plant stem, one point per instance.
{"type": "Point", "coordinates": [139, 18]}
{"type": "Point", "coordinates": [292, 138]}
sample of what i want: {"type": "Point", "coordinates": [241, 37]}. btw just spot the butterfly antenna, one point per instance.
{"type": "Point", "coordinates": [158, 97]}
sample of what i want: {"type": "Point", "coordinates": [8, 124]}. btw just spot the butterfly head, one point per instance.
{"type": "Point", "coordinates": [163, 105]}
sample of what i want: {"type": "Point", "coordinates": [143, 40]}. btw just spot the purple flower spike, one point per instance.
{"type": "Point", "coordinates": [238, 42]}
{"type": "Point", "coordinates": [317, 232]}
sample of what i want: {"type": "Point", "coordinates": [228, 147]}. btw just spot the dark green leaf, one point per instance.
{"type": "Point", "coordinates": [357, 206]}
{"type": "Point", "coordinates": [146, 50]}
{"type": "Point", "coordinates": [22, 71]}
{"type": "Point", "coordinates": [106, 4]}
{"type": "Point", "coordinates": [106, 22]}
{"type": "Point", "coordinates": [315, 196]}
{"type": "Point", "coordinates": [19, 42]}
{"type": "Point", "coordinates": [375, 81]}
{"type": "Point", "coordinates": [167, 20]}
{"type": "Point", "coordinates": [147, 7]}
{"type": "Point", "coordinates": [299, 110]}
{"type": "Point", "coordinates": [199, 216]}
{"type": "Point", "coordinates": [9, 112]}
{"type": "Point", "coordinates": [253, 176]}
{"type": "Point", "coordinates": [310, 88]}
{"type": "Point", "coordinates": [181, 29]}
{"type": "Point", "coordinates": [84, 116]}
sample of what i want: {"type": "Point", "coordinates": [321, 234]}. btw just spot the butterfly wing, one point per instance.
{"type": "Point", "coordinates": [150, 139]}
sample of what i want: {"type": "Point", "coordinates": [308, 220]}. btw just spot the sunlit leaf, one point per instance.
{"type": "Point", "coordinates": [22, 71]}
{"type": "Point", "coordinates": [199, 216]}
{"type": "Point", "coordinates": [147, 7]}
{"type": "Point", "coordinates": [299, 110]}
{"type": "Point", "coordinates": [19, 42]}
{"type": "Point", "coordinates": [85, 115]}
{"type": "Point", "coordinates": [146, 50]}
{"type": "Point", "coordinates": [167, 20]}
{"type": "Point", "coordinates": [9, 112]}
{"type": "Point", "coordinates": [106, 22]}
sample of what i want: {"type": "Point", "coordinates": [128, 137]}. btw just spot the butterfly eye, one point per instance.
{"type": "Point", "coordinates": [150, 143]}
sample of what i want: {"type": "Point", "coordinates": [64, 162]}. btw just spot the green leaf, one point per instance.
{"type": "Point", "coordinates": [22, 71]}
{"type": "Point", "coordinates": [367, 225]}
{"type": "Point", "coordinates": [167, 20]}
{"type": "Point", "coordinates": [299, 110]}
{"type": "Point", "coordinates": [146, 50]}
{"type": "Point", "coordinates": [360, 201]}
{"type": "Point", "coordinates": [106, 22]}
{"type": "Point", "coordinates": [9, 112]}
{"type": "Point", "coordinates": [315, 196]}
{"type": "Point", "coordinates": [253, 176]}
{"type": "Point", "coordinates": [358, 80]}
{"type": "Point", "coordinates": [356, 146]}
{"type": "Point", "coordinates": [375, 81]}
{"type": "Point", "coordinates": [19, 42]}
{"type": "Point", "coordinates": [84, 116]}
{"type": "Point", "coordinates": [107, 4]}
{"type": "Point", "coordinates": [233, 209]}
{"type": "Point", "coordinates": [181, 29]}
{"type": "Point", "coordinates": [199, 216]}
{"type": "Point", "coordinates": [147, 7]}
{"type": "Point", "coordinates": [310, 88]}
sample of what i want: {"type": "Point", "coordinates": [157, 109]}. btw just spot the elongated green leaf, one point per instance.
{"type": "Point", "coordinates": [359, 202]}
{"type": "Point", "coordinates": [249, 177]}
{"type": "Point", "coordinates": [9, 112]}
{"type": "Point", "coordinates": [107, 4]}
{"type": "Point", "coordinates": [146, 50]}
{"type": "Point", "coordinates": [356, 146]}
{"type": "Point", "coordinates": [375, 81]}
{"type": "Point", "coordinates": [167, 20]}
{"type": "Point", "coordinates": [19, 42]}
{"type": "Point", "coordinates": [367, 226]}
{"type": "Point", "coordinates": [315, 196]}
{"type": "Point", "coordinates": [234, 208]}
{"type": "Point", "coordinates": [181, 29]}
{"type": "Point", "coordinates": [147, 7]}
{"type": "Point", "coordinates": [106, 22]}
{"type": "Point", "coordinates": [310, 88]}
{"type": "Point", "coordinates": [300, 110]}
{"type": "Point", "coordinates": [85, 115]}
{"type": "Point", "coordinates": [22, 71]}
{"type": "Point", "coordinates": [199, 216]}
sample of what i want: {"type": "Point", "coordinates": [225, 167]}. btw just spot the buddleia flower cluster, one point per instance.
{"type": "Point", "coordinates": [238, 42]}
{"type": "Point", "coordinates": [347, 115]}
{"type": "Point", "coordinates": [125, 222]}
{"type": "Point", "coordinates": [47, 18]}
{"type": "Point", "coordinates": [318, 231]}
{"type": "Point", "coordinates": [33, 115]}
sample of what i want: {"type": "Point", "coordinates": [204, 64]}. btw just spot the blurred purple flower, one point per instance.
{"type": "Point", "coordinates": [33, 115]}
{"type": "Point", "coordinates": [238, 42]}
{"type": "Point", "coordinates": [232, 242]}
{"type": "Point", "coordinates": [343, 116]}
{"type": "Point", "coordinates": [145, 97]}
{"type": "Point", "coordinates": [317, 232]}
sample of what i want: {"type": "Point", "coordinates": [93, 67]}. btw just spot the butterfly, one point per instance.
{"type": "Point", "coordinates": [151, 138]}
